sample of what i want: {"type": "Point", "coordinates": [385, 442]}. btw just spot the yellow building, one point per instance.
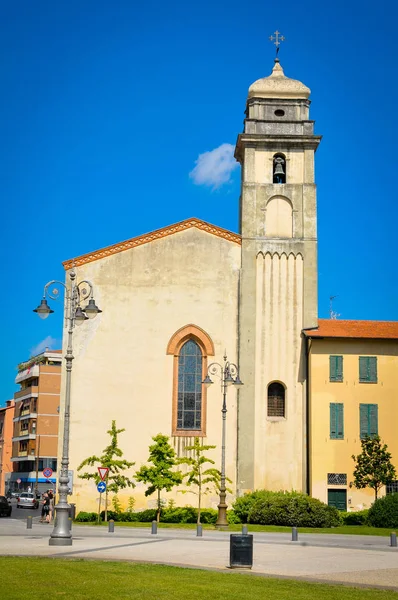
{"type": "Point", "coordinates": [353, 382]}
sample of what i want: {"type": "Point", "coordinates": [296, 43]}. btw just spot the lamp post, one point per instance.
{"type": "Point", "coordinates": [75, 294]}
{"type": "Point", "coordinates": [229, 375]}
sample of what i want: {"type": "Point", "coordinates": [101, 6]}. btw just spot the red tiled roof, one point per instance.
{"type": "Point", "coordinates": [336, 328]}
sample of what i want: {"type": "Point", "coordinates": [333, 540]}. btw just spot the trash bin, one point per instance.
{"type": "Point", "coordinates": [241, 551]}
{"type": "Point", "coordinates": [72, 511]}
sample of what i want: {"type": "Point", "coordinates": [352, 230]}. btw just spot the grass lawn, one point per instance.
{"type": "Point", "coordinates": [36, 578]}
{"type": "Point", "coordinates": [346, 529]}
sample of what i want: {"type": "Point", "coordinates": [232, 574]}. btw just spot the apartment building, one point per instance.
{"type": "Point", "coordinates": [35, 432]}
{"type": "Point", "coordinates": [6, 431]}
{"type": "Point", "coordinates": [353, 382]}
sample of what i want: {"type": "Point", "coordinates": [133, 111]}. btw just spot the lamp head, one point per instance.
{"type": "Point", "coordinates": [238, 383]}
{"type": "Point", "coordinates": [80, 317]}
{"type": "Point", "coordinates": [43, 310]}
{"type": "Point", "coordinates": [92, 309]}
{"type": "Point", "coordinates": [207, 382]}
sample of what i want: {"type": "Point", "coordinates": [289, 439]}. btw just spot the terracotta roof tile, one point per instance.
{"type": "Point", "coordinates": [337, 328]}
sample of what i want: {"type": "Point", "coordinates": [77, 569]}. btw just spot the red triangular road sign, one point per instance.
{"type": "Point", "coordinates": [103, 472]}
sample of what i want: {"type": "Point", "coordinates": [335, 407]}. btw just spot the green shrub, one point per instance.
{"type": "Point", "coordinates": [208, 515]}
{"type": "Point", "coordinates": [86, 517]}
{"type": "Point", "coordinates": [292, 509]}
{"type": "Point", "coordinates": [384, 512]}
{"type": "Point", "coordinates": [232, 517]}
{"type": "Point", "coordinates": [242, 505]}
{"type": "Point", "coordinates": [354, 518]}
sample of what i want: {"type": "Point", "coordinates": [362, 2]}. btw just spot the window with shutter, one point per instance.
{"type": "Point", "coordinates": [368, 420]}
{"type": "Point", "coordinates": [335, 368]}
{"type": "Point", "coordinates": [336, 421]}
{"type": "Point", "coordinates": [368, 369]}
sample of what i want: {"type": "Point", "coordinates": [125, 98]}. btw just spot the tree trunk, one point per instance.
{"type": "Point", "coordinates": [158, 513]}
{"type": "Point", "coordinates": [106, 505]}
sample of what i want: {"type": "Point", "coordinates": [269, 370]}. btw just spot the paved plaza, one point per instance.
{"type": "Point", "coordinates": [346, 559]}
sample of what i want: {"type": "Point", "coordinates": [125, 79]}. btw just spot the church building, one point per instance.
{"type": "Point", "coordinates": [310, 386]}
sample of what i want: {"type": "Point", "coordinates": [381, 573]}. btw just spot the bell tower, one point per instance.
{"type": "Point", "coordinates": [278, 295]}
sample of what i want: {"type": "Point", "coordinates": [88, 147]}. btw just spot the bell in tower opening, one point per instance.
{"type": "Point", "coordinates": [279, 169]}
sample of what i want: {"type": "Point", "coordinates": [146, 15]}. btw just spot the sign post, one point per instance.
{"type": "Point", "coordinates": [101, 487]}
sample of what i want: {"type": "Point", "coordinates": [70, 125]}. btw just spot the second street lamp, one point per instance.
{"type": "Point", "coordinates": [75, 314]}
{"type": "Point", "coordinates": [229, 375]}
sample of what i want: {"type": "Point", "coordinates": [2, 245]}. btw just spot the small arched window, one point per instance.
{"type": "Point", "coordinates": [189, 408]}
{"type": "Point", "coordinates": [276, 400]}
{"type": "Point", "coordinates": [279, 169]}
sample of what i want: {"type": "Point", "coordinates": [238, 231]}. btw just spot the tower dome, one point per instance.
{"type": "Point", "coordinates": [277, 85]}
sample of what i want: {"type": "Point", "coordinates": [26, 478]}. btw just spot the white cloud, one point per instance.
{"type": "Point", "coordinates": [48, 342]}
{"type": "Point", "coordinates": [214, 168]}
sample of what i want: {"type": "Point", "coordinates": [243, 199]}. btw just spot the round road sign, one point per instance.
{"type": "Point", "coordinates": [47, 472]}
{"type": "Point", "coordinates": [19, 480]}
{"type": "Point", "coordinates": [101, 487]}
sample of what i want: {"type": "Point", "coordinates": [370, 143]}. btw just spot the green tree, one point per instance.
{"type": "Point", "coordinates": [197, 475]}
{"type": "Point", "coordinates": [373, 466]}
{"type": "Point", "coordinates": [112, 458]}
{"type": "Point", "coordinates": [160, 476]}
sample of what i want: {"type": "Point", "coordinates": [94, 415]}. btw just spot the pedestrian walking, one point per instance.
{"type": "Point", "coordinates": [49, 517]}
{"type": "Point", "coordinates": [45, 509]}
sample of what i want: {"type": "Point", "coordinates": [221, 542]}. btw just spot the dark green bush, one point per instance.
{"type": "Point", "coordinates": [242, 505]}
{"type": "Point", "coordinates": [292, 509]}
{"type": "Point", "coordinates": [86, 517]}
{"type": "Point", "coordinates": [354, 518]}
{"type": "Point", "coordinates": [384, 512]}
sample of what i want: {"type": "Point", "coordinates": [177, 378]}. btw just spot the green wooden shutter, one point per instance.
{"type": "Point", "coordinates": [363, 368]}
{"type": "Point", "coordinates": [373, 369]}
{"type": "Point", "coordinates": [373, 419]}
{"type": "Point", "coordinates": [333, 421]}
{"type": "Point", "coordinates": [340, 421]}
{"type": "Point", "coordinates": [363, 421]}
{"type": "Point", "coordinates": [368, 369]}
{"type": "Point", "coordinates": [335, 368]}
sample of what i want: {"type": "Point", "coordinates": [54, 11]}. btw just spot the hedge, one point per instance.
{"type": "Point", "coordinates": [359, 517]}
{"type": "Point", "coordinates": [384, 512]}
{"type": "Point", "coordinates": [286, 509]}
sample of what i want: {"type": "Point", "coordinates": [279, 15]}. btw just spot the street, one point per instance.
{"type": "Point", "coordinates": [22, 513]}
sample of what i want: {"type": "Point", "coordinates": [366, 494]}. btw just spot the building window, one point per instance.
{"type": "Point", "coordinates": [190, 346]}
{"type": "Point", "coordinates": [336, 421]}
{"type": "Point", "coordinates": [279, 169]}
{"type": "Point", "coordinates": [276, 400]}
{"type": "Point", "coordinates": [189, 409]}
{"type": "Point", "coordinates": [368, 420]}
{"type": "Point", "coordinates": [368, 369]}
{"type": "Point", "coordinates": [337, 478]}
{"type": "Point", "coordinates": [335, 368]}
{"type": "Point", "coordinates": [392, 488]}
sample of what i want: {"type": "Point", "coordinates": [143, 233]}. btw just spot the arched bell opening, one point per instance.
{"type": "Point", "coordinates": [279, 168]}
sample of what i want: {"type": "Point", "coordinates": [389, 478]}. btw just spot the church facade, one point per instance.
{"type": "Point", "coordinates": [167, 316]}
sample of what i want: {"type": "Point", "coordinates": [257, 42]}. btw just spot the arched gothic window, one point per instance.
{"type": "Point", "coordinates": [276, 400]}
{"type": "Point", "coordinates": [190, 347]}
{"type": "Point", "coordinates": [279, 169]}
{"type": "Point", "coordinates": [190, 368]}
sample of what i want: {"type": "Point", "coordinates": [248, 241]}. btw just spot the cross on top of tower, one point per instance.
{"type": "Point", "coordinates": [277, 38]}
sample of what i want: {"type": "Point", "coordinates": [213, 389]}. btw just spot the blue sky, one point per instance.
{"type": "Point", "coordinates": [106, 107]}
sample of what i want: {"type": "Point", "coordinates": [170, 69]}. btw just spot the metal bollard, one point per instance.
{"type": "Point", "coordinates": [70, 523]}
{"type": "Point", "coordinates": [111, 526]}
{"type": "Point", "coordinates": [29, 522]}
{"type": "Point", "coordinates": [199, 531]}
{"type": "Point", "coordinates": [393, 539]}
{"type": "Point", "coordinates": [244, 529]}
{"type": "Point", "coordinates": [294, 534]}
{"type": "Point", "coordinates": [154, 528]}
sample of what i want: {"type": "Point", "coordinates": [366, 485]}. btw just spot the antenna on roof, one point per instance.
{"type": "Point", "coordinates": [332, 313]}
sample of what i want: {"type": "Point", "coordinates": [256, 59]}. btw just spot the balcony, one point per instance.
{"type": "Point", "coordinates": [29, 392]}
{"type": "Point", "coordinates": [27, 373]}
{"type": "Point", "coordinates": [22, 453]}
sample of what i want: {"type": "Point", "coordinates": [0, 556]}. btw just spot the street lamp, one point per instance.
{"type": "Point", "coordinates": [229, 375]}
{"type": "Point", "coordinates": [75, 314]}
